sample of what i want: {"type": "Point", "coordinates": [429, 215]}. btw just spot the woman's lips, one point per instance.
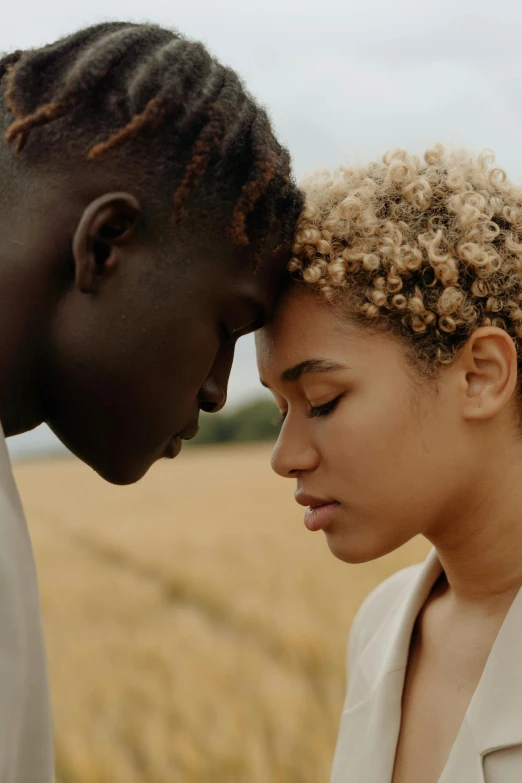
{"type": "Point", "coordinates": [319, 517]}
{"type": "Point", "coordinates": [319, 512]}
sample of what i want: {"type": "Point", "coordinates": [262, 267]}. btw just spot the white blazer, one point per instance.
{"type": "Point", "coordinates": [488, 748]}
{"type": "Point", "coordinates": [26, 734]}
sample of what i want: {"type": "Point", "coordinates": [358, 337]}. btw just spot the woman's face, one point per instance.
{"type": "Point", "coordinates": [384, 456]}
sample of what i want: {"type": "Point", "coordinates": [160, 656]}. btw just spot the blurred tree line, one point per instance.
{"type": "Point", "coordinates": [253, 421]}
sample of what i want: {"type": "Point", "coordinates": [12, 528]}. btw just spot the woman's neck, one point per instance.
{"type": "Point", "coordinates": [481, 549]}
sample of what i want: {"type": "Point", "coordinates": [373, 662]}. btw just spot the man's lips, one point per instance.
{"type": "Point", "coordinates": [319, 511]}
{"type": "Point", "coordinates": [173, 447]}
{"type": "Point", "coordinates": [190, 431]}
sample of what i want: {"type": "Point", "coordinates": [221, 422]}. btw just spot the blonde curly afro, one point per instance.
{"type": "Point", "coordinates": [430, 248]}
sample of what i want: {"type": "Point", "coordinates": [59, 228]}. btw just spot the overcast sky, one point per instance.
{"type": "Point", "coordinates": [343, 81]}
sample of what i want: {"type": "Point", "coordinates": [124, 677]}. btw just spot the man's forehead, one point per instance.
{"type": "Point", "coordinates": [270, 277]}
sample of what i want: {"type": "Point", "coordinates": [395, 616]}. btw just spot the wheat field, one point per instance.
{"type": "Point", "coordinates": [196, 631]}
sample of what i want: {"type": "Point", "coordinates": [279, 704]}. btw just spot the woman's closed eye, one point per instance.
{"type": "Point", "coordinates": [316, 410]}
{"type": "Point", "coordinates": [323, 410]}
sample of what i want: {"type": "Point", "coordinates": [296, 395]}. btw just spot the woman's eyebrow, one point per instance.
{"type": "Point", "coordinates": [293, 374]}
{"type": "Point", "coordinates": [320, 366]}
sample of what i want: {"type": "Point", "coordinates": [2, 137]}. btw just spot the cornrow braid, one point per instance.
{"type": "Point", "coordinates": [171, 60]}
{"type": "Point", "coordinates": [84, 77]}
{"type": "Point", "coordinates": [261, 175]}
{"type": "Point", "coordinates": [8, 61]}
{"type": "Point", "coordinates": [210, 139]}
{"type": "Point", "coordinates": [114, 84]}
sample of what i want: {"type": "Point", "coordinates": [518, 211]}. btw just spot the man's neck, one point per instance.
{"type": "Point", "coordinates": [19, 338]}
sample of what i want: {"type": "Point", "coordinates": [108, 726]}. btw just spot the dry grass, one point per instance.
{"type": "Point", "coordinates": [196, 631]}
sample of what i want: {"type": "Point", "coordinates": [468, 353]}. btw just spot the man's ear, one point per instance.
{"type": "Point", "coordinates": [489, 365]}
{"type": "Point", "coordinates": [106, 224]}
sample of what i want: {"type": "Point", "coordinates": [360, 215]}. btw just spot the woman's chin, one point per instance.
{"type": "Point", "coordinates": [356, 551]}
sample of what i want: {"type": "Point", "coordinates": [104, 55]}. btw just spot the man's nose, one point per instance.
{"type": "Point", "coordinates": [212, 396]}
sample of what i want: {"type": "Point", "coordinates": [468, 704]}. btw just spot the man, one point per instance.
{"type": "Point", "coordinates": [147, 214]}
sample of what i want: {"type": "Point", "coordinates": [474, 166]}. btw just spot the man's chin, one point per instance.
{"type": "Point", "coordinates": [118, 469]}
{"type": "Point", "coordinates": [121, 473]}
{"type": "Point", "coordinates": [125, 471]}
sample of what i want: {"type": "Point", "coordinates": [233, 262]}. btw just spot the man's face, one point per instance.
{"type": "Point", "coordinates": [128, 370]}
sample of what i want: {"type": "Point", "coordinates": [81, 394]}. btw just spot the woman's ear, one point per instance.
{"type": "Point", "coordinates": [105, 226]}
{"type": "Point", "coordinates": [490, 368]}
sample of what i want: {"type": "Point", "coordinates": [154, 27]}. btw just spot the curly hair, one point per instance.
{"type": "Point", "coordinates": [430, 249]}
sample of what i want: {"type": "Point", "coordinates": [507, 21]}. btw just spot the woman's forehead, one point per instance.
{"type": "Point", "coordinates": [297, 317]}
{"type": "Point", "coordinates": [304, 327]}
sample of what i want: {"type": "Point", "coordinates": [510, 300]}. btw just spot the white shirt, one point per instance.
{"type": "Point", "coordinates": [488, 748]}
{"type": "Point", "coordinates": [26, 734]}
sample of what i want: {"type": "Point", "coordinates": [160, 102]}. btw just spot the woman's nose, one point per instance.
{"type": "Point", "coordinates": [293, 453]}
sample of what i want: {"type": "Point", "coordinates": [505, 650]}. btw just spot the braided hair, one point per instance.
{"type": "Point", "coordinates": [155, 93]}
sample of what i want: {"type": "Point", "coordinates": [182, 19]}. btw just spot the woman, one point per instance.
{"type": "Point", "coordinates": [394, 359]}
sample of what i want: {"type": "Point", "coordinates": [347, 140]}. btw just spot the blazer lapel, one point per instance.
{"type": "Point", "coordinates": [495, 712]}
{"type": "Point", "coordinates": [488, 747]}
{"type": "Point", "coordinates": [370, 729]}
{"type": "Point", "coordinates": [464, 763]}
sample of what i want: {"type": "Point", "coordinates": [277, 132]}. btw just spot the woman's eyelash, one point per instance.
{"type": "Point", "coordinates": [318, 410]}
{"type": "Point", "coordinates": [324, 410]}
